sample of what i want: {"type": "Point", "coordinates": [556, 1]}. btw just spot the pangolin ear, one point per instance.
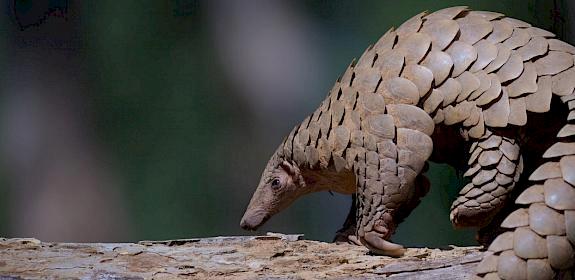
{"type": "Point", "coordinates": [288, 167]}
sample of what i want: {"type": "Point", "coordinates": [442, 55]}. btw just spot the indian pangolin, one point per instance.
{"type": "Point", "coordinates": [478, 90]}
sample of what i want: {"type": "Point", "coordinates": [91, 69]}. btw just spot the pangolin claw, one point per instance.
{"type": "Point", "coordinates": [378, 245]}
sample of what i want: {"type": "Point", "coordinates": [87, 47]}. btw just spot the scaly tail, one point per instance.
{"type": "Point", "coordinates": [539, 243]}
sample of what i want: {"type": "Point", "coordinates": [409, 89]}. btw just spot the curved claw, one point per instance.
{"type": "Point", "coordinates": [378, 245]}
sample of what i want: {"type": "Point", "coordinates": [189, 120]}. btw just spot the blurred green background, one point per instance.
{"type": "Point", "coordinates": [131, 120]}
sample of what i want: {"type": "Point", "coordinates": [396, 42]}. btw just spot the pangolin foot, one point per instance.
{"type": "Point", "coordinates": [376, 239]}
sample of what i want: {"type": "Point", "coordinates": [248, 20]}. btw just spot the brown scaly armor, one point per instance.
{"type": "Point", "coordinates": [475, 89]}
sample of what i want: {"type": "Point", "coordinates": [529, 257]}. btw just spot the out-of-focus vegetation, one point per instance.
{"type": "Point", "coordinates": [173, 94]}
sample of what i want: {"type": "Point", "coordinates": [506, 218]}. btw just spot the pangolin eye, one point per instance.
{"type": "Point", "coordinates": [275, 183]}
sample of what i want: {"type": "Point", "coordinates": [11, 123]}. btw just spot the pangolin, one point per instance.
{"type": "Point", "coordinates": [486, 93]}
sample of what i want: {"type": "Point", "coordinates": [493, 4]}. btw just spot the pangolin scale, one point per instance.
{"type": "Point", "coordinates": [489, 94]}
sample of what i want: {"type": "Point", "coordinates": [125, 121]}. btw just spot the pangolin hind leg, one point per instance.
{"type": "Point", "coordinates": [496, 166]}
{"type": "Point", "coordinates": [539, 237]}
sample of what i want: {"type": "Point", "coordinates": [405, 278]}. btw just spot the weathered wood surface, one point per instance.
{"type": "Point", "coordinates": [274, 256]}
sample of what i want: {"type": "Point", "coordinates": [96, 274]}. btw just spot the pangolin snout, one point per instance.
{"type": "Point", "coordinates": [246, 225]}
{"type": "Point", "coordinates": [253, 219]}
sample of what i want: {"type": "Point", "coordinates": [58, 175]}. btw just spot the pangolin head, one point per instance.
{"type": "Point", "coordinates": [281, 183]}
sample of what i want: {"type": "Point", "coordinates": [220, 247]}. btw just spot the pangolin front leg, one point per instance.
{"type": "Point", "coordinates": [388, 176]}
{"type": "Point", "coordinates": [495, 167]}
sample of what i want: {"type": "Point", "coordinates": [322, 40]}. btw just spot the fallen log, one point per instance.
{"type": "Point", "coordinates": [272, 256]}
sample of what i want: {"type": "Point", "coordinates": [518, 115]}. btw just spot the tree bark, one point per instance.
{"type": "Point", "coordinates": [237, 257]}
